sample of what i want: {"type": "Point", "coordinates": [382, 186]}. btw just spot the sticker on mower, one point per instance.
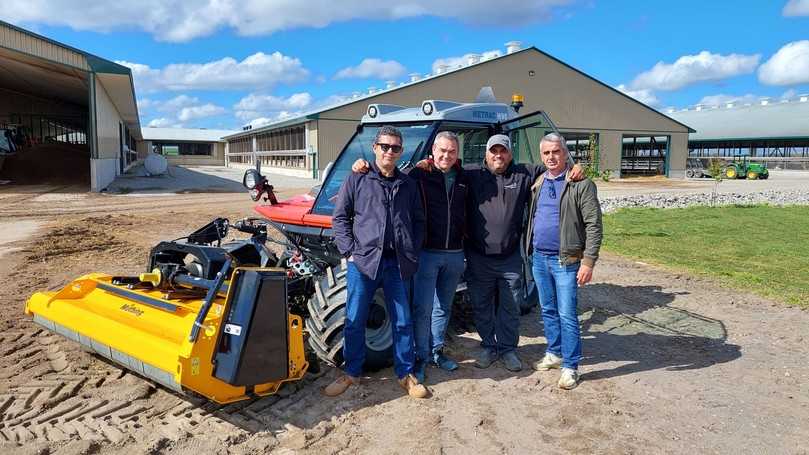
{"type": "Point", "coordinates": [233, 329]}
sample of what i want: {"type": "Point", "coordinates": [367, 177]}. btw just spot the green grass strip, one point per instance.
{"type": "Point", "coordinates": [761, 249]}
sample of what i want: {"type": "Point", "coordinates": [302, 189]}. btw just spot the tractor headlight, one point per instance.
{"type": "Point", "coordinates": [251, 179]}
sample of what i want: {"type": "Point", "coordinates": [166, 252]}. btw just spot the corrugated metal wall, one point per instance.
{"type": "Point", "coordinates": [572, 100]}
{"type": "Point", "coordinates": [22, 42]}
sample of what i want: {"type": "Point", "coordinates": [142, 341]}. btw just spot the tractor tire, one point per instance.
{"type": "Point", "coordinates": [689, 173]}
{"type": "Point", "coordinates": [764, 176]}
{"type": "Point", "coordinates": [326, 321]}
{"type": "Point", "coordinates": [730, 172]}
{"type": "Point", "coordinates": [752, 175]}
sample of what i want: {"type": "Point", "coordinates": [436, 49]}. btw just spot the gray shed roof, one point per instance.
{"type": "Point", "coordinates": [774, 120]}
{"type": "Point", "coordinates": [184, 134]}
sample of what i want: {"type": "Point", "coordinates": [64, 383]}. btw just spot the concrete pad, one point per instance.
{"type": "Point", "coordinates": [195, 179]}
{"type": "Point", "coordinates": [13, 232]}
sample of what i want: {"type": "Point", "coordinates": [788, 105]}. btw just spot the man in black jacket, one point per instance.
{"type": "Point", "coordinates": [498, 191]}
{"type": "Point", "coordinates": [378, 224]}
{"type": "Point", "coordinates": [441, 263]}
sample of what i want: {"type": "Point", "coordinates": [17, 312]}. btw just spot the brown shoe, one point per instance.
{"type": "Point", "coordinates": [340, 385]}
{"type": "Point", "coordinates": [412, 387]}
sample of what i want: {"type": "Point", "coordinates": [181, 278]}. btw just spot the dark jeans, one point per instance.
{"type": "Point", "coordinates": [361, 290]}
{"type": "Point", "coordinates": [498, 325]}
{"type": "Point", "coordinates": [434, 290]}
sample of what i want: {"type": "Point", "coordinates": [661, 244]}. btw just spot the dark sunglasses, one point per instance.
{"type": "Point", "coordinates": [392, 147]}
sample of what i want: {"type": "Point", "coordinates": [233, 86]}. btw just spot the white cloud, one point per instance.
{"type": "Point", "coordinates": [268, 106]}
{"type": "Point", "coordinates": [691, 69]}
{"type": "Point", "coordinates": [749, 98]}
{"type": "Point", "coordinates": [181, 109]}
{"type": "Point", "coordinates": [197, 112]}
{"type": "Point", "coordinates": [184, 20]}
{"type": "Point", "coordinates": [164, 122]}
{"type": "Point", "coordinates": [259, 70]}
{"type": "Point", "coordinates": [796, 8]}
{"type": "Point", "coordinates": [645, 96]}
{"type": "Point", "coordinates": [261, 121]}
{"type": "Point", "coordinates": [373, 68]}
{"type": "Point", "coordinates": [789, 66]}
{"type": "Point", "coordinates": [176, 103]}
{"type": "Point", "coordinates": [722, 99]}
{"type": "Point", "coordinates": [454, 62]}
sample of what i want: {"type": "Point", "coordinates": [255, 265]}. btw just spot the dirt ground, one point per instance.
{"type": "Point", "coordinates": [672, 363]}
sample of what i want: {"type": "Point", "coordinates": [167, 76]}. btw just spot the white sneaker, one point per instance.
{"type": "Point", "coordinates": [548, 362]}
{"type": "Point", "coordinates": [569, 379]}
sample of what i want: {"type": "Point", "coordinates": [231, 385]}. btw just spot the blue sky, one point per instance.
{"type": "Point", "coordinates": [226, 63]}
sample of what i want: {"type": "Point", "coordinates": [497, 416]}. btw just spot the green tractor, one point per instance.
{"type": "Point", "coordinates": [741, 168]}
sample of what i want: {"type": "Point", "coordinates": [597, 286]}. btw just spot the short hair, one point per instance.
{"type": "Point", "coordinates": [554, 137]}
{"type": "Point", "coordinates": [388, 130]}
{"type": "Point", "coordinates": [447, 135]}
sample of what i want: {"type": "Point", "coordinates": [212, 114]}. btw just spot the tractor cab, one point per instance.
{"type": "Point", "coordinates": [310, 215]}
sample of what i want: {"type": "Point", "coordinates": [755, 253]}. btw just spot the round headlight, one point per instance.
{"type": "Point", "coordinates": [372, 111]}
{"type": "Point", "coordinates": [251, 179]}
{"type": "Point", "coordinates": [427, 108]}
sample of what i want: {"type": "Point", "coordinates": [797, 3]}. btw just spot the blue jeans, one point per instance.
{"type": "Point", "coordinates": [557, 288]}
{"type": "Point", "coordinates": [434, 290]}
{"type": "Point", "coordinates": [361, 290]}
{"type": "Point", "coordinates": [490, 276]}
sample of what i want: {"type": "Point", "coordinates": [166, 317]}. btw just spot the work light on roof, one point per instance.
{"type": "Point", "coordinates": [427, 108]}
{"type": "Point", "coordinates": [372, 111]}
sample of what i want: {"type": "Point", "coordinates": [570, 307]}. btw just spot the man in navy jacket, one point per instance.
{"type": "Point", "coordinates": [378, 224]}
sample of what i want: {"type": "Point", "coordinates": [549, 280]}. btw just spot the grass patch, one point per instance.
{"type": "Point", "coordinates": [760, 248]}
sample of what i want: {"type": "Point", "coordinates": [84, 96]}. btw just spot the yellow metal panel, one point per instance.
{"type": "Point", "coordinates": [158, 338]}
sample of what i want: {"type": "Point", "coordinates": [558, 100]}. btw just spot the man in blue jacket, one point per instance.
{"type": "Point", "coordinates": [378, 224]}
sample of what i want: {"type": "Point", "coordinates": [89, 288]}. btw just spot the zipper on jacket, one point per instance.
{"type": "Point", "coordinates": [450, 193]}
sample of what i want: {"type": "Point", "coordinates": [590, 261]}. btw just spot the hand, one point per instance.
{"type": "Point", "coordinates": [360, 166]}
{"type": "Point", "coordinates": [585, 275]}
{"type": "Point", "coordinates": [576, 174]}
{"type": "Point", "coordinates": [425, 165]}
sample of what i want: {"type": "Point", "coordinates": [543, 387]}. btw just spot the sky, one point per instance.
{"type": "Point", "coordinates": [223, 64]}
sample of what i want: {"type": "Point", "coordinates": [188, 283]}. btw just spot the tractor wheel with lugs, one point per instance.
{"type": "Point", "coordinates": [751, 175]}
{"type": "Point", "coordinates": [730, 172]}
{"type": "Point", "coordinates": [327, 311]}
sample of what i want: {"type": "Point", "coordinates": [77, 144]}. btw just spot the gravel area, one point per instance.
{"type": "Point", "coordinates": [668, 200]}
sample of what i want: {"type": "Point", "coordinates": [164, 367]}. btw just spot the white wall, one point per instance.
{"type": "Point", "coordinates": [102, 173]}
{"type": "Point", "coordinates": [106, 165]}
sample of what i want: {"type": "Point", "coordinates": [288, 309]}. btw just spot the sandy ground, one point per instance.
{"type": "Point", "coordinates": [673, 364]}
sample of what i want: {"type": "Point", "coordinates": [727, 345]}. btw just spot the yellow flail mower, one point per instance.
{"type": "Point", "coordinates": [211, 319]}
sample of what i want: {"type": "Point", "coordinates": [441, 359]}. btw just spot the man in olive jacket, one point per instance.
{"type": "Point", "coordinates": [564, 240]}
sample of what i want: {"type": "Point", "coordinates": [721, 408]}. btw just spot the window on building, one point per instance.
{"type": "Point", "coordinates": [183, 148]}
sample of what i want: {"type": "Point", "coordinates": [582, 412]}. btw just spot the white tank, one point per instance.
{"type": "Point", "coordinates": [156, 164]}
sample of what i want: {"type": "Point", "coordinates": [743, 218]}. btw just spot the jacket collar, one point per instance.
{"type": "Point", "coordinates": [374, 172]}
{"type": "Point", "coordinates": [541, 179]}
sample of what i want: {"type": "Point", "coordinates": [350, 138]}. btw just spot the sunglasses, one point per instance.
{"type": "Point", "coordinates": [395, 148]}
